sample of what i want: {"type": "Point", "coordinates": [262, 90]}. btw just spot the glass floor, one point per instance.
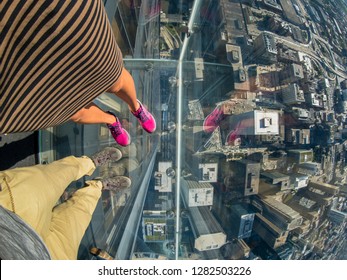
{"type": "Point", "coordinates": [248, 160]}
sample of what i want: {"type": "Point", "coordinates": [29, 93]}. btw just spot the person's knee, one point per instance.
{"type": "Point", "coordinates": [78, 116]}
{"type": "Point", "coordinates": [118, 85]}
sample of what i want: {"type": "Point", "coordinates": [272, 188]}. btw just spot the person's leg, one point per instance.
{"type": "Point", "coordinates": [32, 192]}
{"type": "Point", "coordinates": [92, 114]}
{"type": "Point", "coordinates": [71, 218]}
{"type": "Point", "coordinates": [70, 221]}
{"type": "Point", "coordinates": [125, 89]}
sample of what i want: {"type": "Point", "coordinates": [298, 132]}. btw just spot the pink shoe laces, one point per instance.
{"type": "Point", "coordinates": [115, 128]}
{"type": "Point", "coordinates": [141, 114]}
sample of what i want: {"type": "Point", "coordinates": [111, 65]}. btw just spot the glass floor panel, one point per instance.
{"type": "Point", "coordinates": [248, 160]}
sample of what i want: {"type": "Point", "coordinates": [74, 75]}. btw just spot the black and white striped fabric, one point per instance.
{"type": "Point", "coordinates": [56, 56]}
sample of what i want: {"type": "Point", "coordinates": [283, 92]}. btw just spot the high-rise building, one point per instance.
{"type": "Point", "coordinates": [287, 55]}
{"type": "Point", "coordinates": [163, 180]}
{"type": "Point", "coordinates": [325, 187]}
{"type": "Point", "coordinates": [292, 73]}
{"type": "Point", "coordinates": [300, 113]}
{"type": "Point", "coordinates": [197, 193]}
{"type": "Point", "coordinates": [292, 94]}
{"type": "Point", "coordinates": [269, 232]}
{"type": "Point", "coordinates": [337, 216]}
{"type": "Point", "coordinates": [285, 252]}
{"type": "Point", "coordinates": [308, 208]}
{"type": "Point", "coordinates": [290, 13]}
{"type": "Point", "coordinates": [300, 155]}
{"type": "Point", "coordinates": [157, 226]}
{"type": "Point", "coordinates": [241, 220]}
{"type": "Point", "coordinates": [244, 176]}
{"type": "Point", "coordinates": [297, 136]}
{"type": "Point", "coordinates": [271, 5]}
{"type": "Point", "coordinates": [237, 249]}
{"type": "Point", "coordinates": [257, 122]}
{"type": "Point", "coordinates": [208, 172]}
{"type": "Point", "coordinates": [278, 179]}
{"type": "Point", "coordinates": [298, 181]}
{"type": "Point", "coordinates": [320, 197]}
{"type": "Point", "coordinates": [264, 48]}
{"type": "Point", "coordinates": [309, 168]}
{"type": "Point", "coordinates": [208, 233]}
{"type": "Point", "coordinates": [277, 212]}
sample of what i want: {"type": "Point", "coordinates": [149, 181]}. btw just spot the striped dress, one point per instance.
{"type": "Point", "coordinates": [56, 56]}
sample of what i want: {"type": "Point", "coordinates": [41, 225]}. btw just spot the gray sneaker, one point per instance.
{"type": "Point", "coordinates": [106, 155]}
{"type": "Point", "coordinates": [116, 183]}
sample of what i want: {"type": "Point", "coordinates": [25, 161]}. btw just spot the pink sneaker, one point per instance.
{"type": "Point", "coordinates": [233, 138]}
{"type": "Point", "coordinates": [213, 119]}
{"type": "Point", "coordinates": [120, 135]}
{"type": "Point", "coordinates": [145, 118]}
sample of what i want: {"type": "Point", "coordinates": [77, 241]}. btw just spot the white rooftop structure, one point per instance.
{"type": "Point", "coordinates": [258, 123]}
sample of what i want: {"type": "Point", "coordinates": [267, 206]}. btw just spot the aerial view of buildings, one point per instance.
{"type": "Point", "coordinates": [248, 161]}
{"type": "Point", "coordinates": [268, 179]}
